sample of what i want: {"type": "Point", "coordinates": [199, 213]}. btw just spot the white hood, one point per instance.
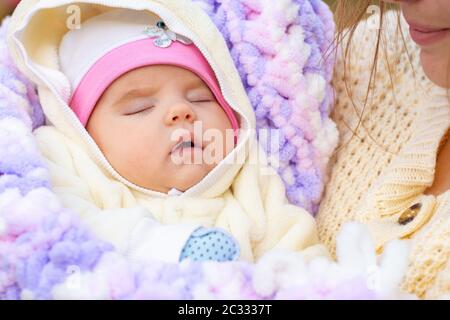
{"type": "Point", "coordinates": [34, 36]}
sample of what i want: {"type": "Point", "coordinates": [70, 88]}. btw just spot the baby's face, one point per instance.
{"type": "Point", "coordinates": [143, 116]}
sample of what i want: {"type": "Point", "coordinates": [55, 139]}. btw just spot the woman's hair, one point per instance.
{"type": "Point", "coordinates": [348, 14]}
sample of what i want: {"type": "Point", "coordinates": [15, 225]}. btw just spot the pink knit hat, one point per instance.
{"type": "Point", "coordinates": [112, 44]}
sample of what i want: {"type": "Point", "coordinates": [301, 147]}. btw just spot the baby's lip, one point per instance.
{"type": "Point", "coordinates": [188, 137]}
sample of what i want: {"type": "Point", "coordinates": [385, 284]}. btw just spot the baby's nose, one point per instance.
{"type": "Point", "coordinates": [180, 112]}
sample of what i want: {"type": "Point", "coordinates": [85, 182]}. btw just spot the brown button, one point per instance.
{"type": "Point", "coordinates": [409, 214]}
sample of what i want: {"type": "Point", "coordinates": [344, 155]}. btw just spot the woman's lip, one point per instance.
{"type": "Point", "coordinates": [425, 36]}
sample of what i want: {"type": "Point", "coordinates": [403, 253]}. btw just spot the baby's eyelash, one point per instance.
{"type": "Point", "coordinates": [205, 98]}
{"type": "Point", "coordinates": [140, 111]}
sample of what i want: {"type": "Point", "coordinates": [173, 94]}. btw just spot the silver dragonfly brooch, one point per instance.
{"type": "Point", "coordinates": [163, 36]}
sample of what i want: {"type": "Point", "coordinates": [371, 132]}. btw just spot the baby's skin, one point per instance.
{"type": "Point", "coordinates": [144, 125]}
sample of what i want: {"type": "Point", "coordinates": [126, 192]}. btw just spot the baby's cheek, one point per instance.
{"type": "Point", "coordinates": [226, 143]}
{"type": "Point", "coordinates": [127, 148]}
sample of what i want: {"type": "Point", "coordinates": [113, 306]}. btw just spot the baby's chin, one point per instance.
{"type": "Point", "coordinates": [181, 177]}
{"type": "Point", "coordinates": [187, 176]}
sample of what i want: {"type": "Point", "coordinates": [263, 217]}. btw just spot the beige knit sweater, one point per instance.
{"type": "Point", "coordinates": [379, 175]}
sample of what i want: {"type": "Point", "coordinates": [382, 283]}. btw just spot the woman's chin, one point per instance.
{"type": "Point", "coordinates": [436, 67]}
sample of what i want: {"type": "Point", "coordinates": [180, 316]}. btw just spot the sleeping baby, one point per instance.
{"type": "Point", "coordinates": [152, 141]}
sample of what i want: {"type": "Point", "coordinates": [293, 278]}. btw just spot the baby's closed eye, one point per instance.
{"type": "Point", "coordinates": [203, 100]}
{"type": "Point", "coordinates": [138, 110]}
{"type": "Point", "coordinates": [202, 97]}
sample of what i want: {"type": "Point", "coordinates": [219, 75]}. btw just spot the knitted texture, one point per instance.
{"type": "Point", "coordinates": [46, 253]}
{"type": "Point", "coordinates": [289, 89]}
{"type": "Point", "coordinates": [385, 167]}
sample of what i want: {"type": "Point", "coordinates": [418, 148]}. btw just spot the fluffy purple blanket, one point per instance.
{"type": "Point", "coordinates": [46, 253]}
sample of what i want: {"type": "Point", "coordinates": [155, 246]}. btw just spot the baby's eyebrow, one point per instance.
{"type": "Point", "coordinates": [196, 83]}
{"type": "Point", "coordinates": [133, 94]}
{"type": "Point", "coordinates": [139, 92]}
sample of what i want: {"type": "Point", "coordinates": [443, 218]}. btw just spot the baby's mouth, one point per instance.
{"type": "Point", "coordinates": [183, 146]}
